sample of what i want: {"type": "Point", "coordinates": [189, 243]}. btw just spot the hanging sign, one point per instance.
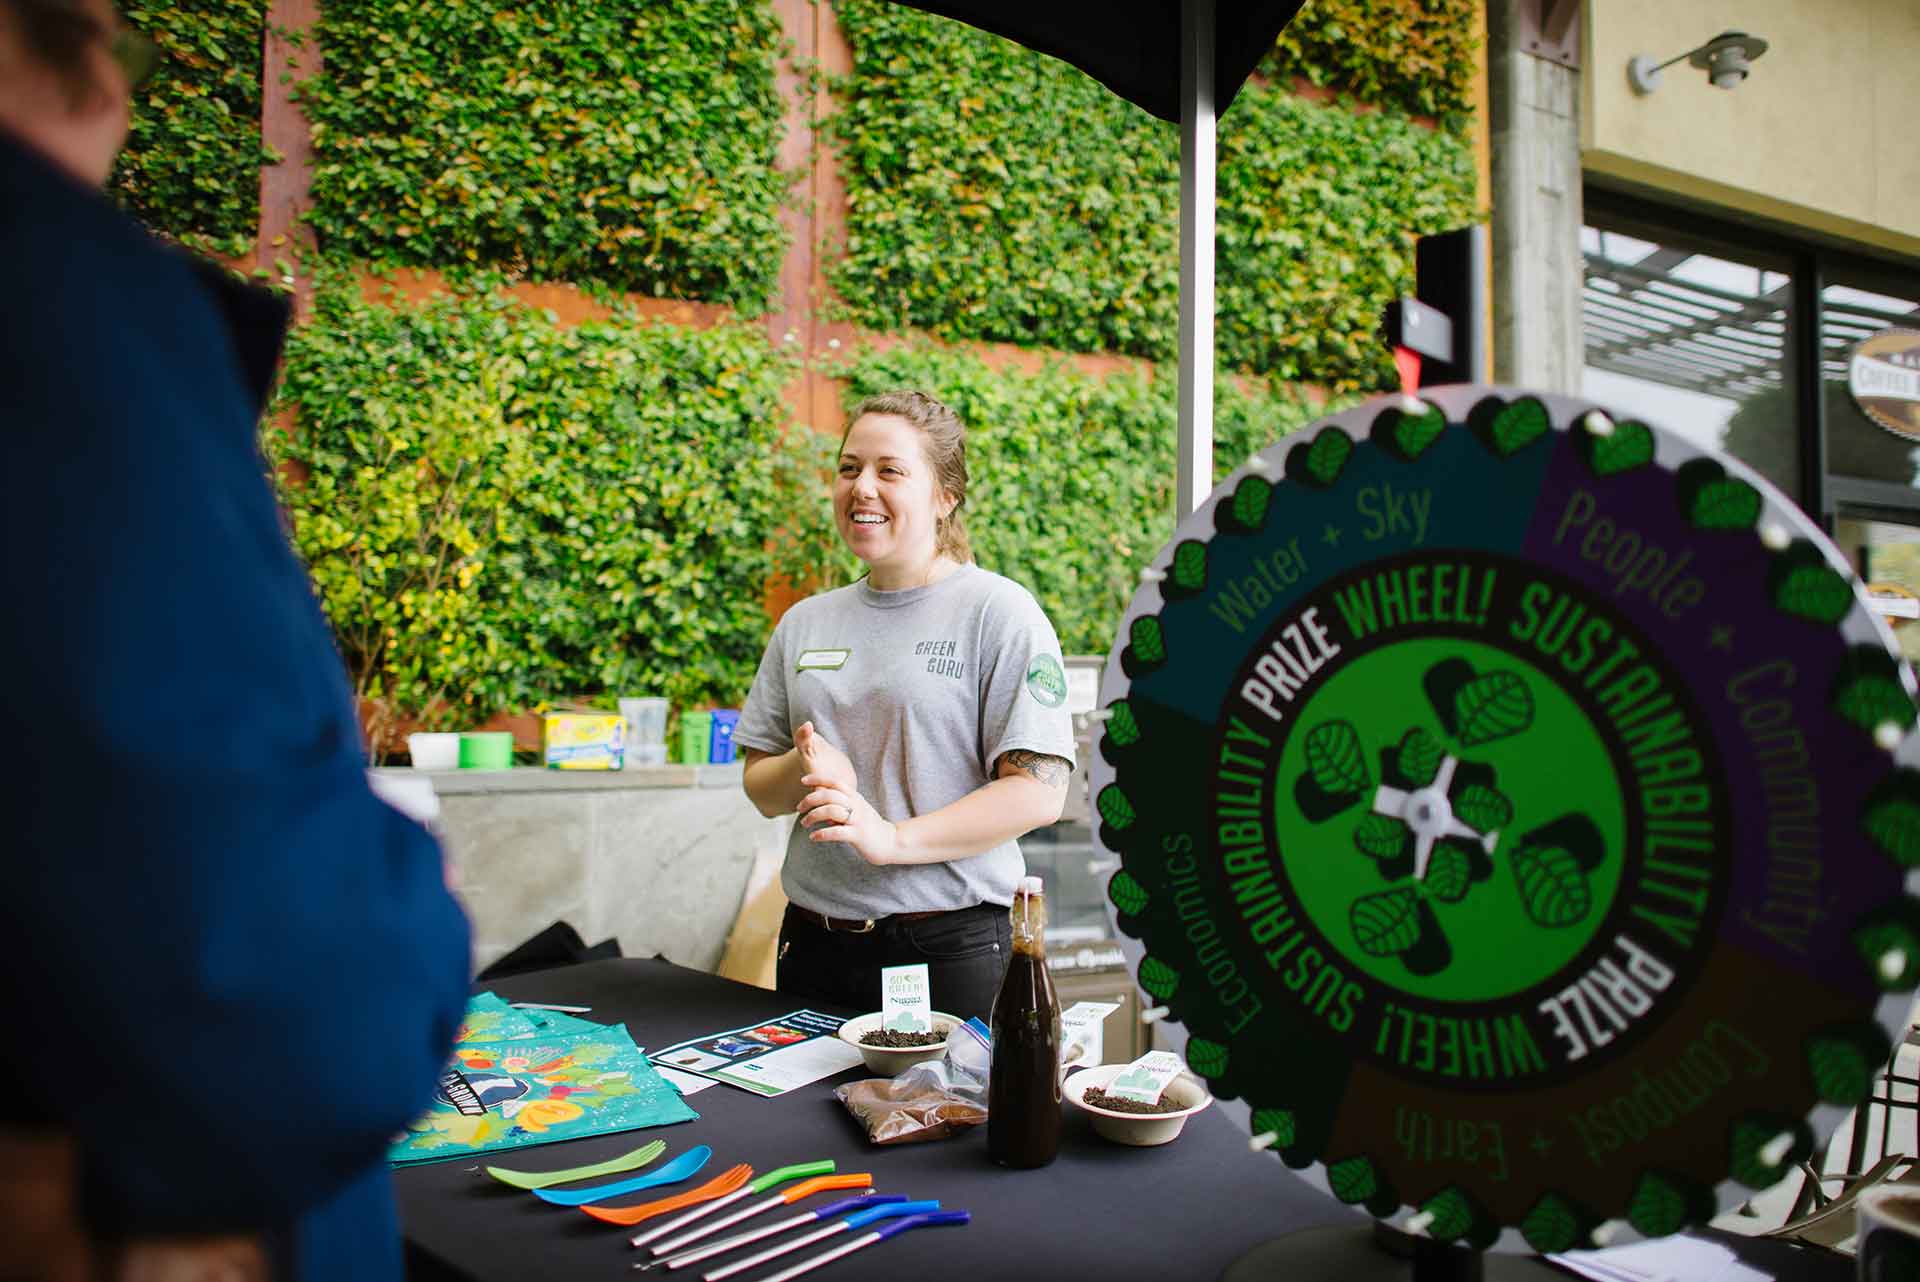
{"type": "Point", "coordinates": [1884, 376]}
{"type": "Point", "coordinates": [1515, 809]}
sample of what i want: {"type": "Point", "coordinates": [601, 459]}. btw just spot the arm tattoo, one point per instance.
{"type": "Point", "coordinates": [1049, 770]}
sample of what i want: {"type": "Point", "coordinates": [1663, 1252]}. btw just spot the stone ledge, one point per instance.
{"type": "Point", "coordinates": [456, 783]}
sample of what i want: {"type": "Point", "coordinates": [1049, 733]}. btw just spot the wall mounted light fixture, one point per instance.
{"type": "Point", "coordinates": [1727, 58]}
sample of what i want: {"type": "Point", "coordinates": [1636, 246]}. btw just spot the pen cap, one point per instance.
{"type": "Point", "coordinates": [923, 1222]}
{"type": "Point", "coordinates": [862, 1202]}
{"type": "Point", "coordinates": [860, 1219]}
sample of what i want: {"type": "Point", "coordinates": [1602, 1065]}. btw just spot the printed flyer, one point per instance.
{"type": "Point", "coordinates": [768, 1058]}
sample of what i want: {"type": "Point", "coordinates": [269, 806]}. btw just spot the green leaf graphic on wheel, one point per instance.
{"type": "Point", "coordinates": [1420, 757]}
{"type": "Point", "coordinates": [1279, 1121]}
{"type": "Point", "coordinates": [1158, 978]}
{"type": "Point", "coordinates": [1209, 1059]}
{"type": "Point", "coordinates": [1483, 808]}
{"type": "Point", "coordinates": [1491, 707]}
{"type": "Point", "coordinates": [1628, 446]}
{"type": "Point", "coordinates": [1658, 1206]}
{"type": "Point", "coordinates": [1552, 1225]}
{"type": "Point", "coordinates": [1353, 1180]}
{"type": "Point", "coordinates": [1388, 922]}
{"type": "Point", "coordinates": [1382, 837]}
{"type": "Point", "coordinates": [1551, 864]}
{"type": "Point", "coordinates": [1127, 894]}
{"type": "Point", "coordinates": [1449, 874]}
{"type": "Point", "coordinates": [1553, 887]}
{"type": "Point", "coordinates": [1333, 752]}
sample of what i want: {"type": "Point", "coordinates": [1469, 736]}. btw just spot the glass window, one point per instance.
{"type": "Point", "coordinates": [1695, 342]}
{"type": "Point", "coordinates": [1857, 445]}
{"type": "Point", "coordinates": [1887, 555]}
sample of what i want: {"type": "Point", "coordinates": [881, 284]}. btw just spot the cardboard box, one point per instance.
{"type": "Point", "coordinates": [583, 740]}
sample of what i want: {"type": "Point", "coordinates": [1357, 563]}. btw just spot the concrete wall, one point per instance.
{"type": "Point", "coordinates": [657, 858]}
{"type": "Point", "coordinates": [1820, 135]}
{"type": "Point", "coordinates": [1537, 209]}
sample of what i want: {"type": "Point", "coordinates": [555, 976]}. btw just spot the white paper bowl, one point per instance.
{"type": "Point", "coordinates": [1139, 1129]}
{"type": "Point", "coordinates": [890, 1061]}
{"type": "Point", "coordinates": [434, 751]}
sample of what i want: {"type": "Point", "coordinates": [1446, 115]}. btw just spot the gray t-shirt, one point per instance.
{"type": "Point", "coordinates": [924, 689]}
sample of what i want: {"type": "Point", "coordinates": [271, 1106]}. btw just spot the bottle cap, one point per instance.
{"type": "Point", "coordinates": [1030, 886]}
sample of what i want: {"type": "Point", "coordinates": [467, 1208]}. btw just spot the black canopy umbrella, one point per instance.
{"type": "Point", "coordinates": [1182, 60]}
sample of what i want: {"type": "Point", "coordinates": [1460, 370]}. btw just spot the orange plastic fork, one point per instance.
{"type": "Point", "coordinates": [719, 1186]}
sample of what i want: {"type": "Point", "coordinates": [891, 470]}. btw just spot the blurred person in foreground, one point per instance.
{"type": "Point", "coordinates": [233, 973]}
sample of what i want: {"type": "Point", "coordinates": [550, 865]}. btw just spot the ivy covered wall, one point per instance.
{"type": "Point", "coordinates": [995, 193]}
{"type": "Point", "coordinates": [498, 510]}
{"type": "Point", "coordinates": [1412, 56]}
{"type": "Point", "coordinates": [626, 141]}
{"type": "Point", "coordinates": [501, 510]}
{"type": "Point", "coordinates": [191, 166]}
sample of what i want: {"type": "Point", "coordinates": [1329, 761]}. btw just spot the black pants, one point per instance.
{"type": "Point", "coordinates": [965, 950]}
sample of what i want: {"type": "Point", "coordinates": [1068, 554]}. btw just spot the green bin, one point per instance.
{"type": "Point", "coordinates": [696, 737]}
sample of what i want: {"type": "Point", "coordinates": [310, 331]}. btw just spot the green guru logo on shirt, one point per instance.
{"type": "Point", "coordinates": [1046, 682]}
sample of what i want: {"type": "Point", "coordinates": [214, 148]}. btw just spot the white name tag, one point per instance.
{"type": "Point", "coordinates": [821, 660]}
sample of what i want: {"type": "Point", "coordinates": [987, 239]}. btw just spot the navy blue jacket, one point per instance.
{"type": "Point", "coordinates": [233, 972]}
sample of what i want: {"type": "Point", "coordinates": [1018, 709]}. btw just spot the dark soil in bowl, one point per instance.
{"type": "Point", "coordinates": [1116, 1104]}
{"type": "Point", "coordinates": [894, 1039]}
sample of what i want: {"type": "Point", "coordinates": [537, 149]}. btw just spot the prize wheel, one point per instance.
{"type": "Point", "coordinates": [1515, 809]}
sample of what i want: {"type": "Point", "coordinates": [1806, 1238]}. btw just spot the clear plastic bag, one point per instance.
{"type": "Point", "coordinates": [931, 1100]}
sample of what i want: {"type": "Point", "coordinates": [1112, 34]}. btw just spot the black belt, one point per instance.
{"type": "Point", "coordinates": [865, 925]}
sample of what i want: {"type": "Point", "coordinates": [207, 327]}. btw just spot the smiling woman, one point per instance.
{"type": "Point", "coordinates": [917, 722]}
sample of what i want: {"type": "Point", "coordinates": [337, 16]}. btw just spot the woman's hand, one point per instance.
{"type": "Point", "coordinates": [838, 814]}
{"type": "Point", "coordinates": [822, 761]}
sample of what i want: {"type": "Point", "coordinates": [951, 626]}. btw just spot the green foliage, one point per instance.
{"type": "Point", "coordinates": [1050, 216]}
{"type": "Point", "coordinates": [499, 512]}
{"type": "Point", "coordinates": [191, 167]}
{"type": "Point", "coordinates": [629, 141]}
{"type": "Point", "coordinates": [1071, 475]}
{"type": "Point", "coordinates": [1416, 56]}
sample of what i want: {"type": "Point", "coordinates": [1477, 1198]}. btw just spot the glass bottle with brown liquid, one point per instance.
{"type": "Point", "coordinates": [1023, 1086]}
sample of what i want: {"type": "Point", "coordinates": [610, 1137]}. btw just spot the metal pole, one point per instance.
{"type": "Point", "coordinates": [1195, 468]}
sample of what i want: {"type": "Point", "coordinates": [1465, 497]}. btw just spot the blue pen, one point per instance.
{"type": "Point", "coordinates": [859, 1202]}
{"type": "Point", "coordinates": [880, 1234]}
{"type": "Point", "coordinates": [858, 1220]}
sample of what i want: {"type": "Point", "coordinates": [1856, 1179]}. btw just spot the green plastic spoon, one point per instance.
{"type": "Point", "coordinates": [546, 1179]}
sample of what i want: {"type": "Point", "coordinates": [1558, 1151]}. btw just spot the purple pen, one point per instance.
{"type": "Point", "coordinates": [858, 1220]}
{"type": "Point", "coordinates": [861, 1201]}
{"type": "Point", "coordinates": [881, 1234]}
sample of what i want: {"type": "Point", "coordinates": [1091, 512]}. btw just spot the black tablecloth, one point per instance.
{"type": "Point", "coordinates": [1101, 1213]}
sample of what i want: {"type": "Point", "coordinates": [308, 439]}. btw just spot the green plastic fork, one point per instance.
{"type": "Point", "coordinates": [546, 1179]}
